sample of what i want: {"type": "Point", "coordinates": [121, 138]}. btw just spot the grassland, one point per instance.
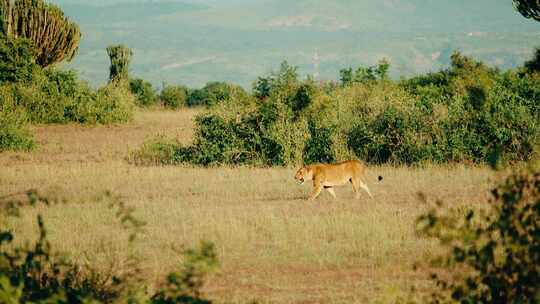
{"type": "Point", "coordinates": [274, 246]}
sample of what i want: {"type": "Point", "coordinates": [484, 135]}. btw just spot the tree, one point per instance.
{"type": "Point", "coordinates": [365, 75]}
{"type": "Point", "coordinates": [174, 96]}
{"type": "Point", "coordinates": [528, 8]}
{"type": "Point", "coordinates": [54, 36]}
{"type": "Point", "coordinates": [17, 62]}
{"type": "Point", "coordinates": [120, 56]}
{"type": "Point", "coordinates": [533, 65]}
{"type": "Point", "coordinates": [346, 76]}
{"type": "Point", "coordinates": [146, 96]}
{"type": "Point", "coordinates": [382, 69]}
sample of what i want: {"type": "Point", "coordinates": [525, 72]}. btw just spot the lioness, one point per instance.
{"type": "Point", "coordinates": [330, 175]}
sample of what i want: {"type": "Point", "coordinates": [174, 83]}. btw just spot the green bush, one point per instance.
{"type": "Point", "coordinates": [56, 96]}
{"type": "Point", "coordinates": [146, 96]}
{"type": "Point", "coordinates": [365, 75]}
{"type": "Point", "coordinates": [319, 146]}
{"type": "Point", "coordinates": [113, 103]}
{"type": "Point", "coordinates": [492, 256]}
{"type": "Point", "coordinates": [217, 92]}
{"type": "Point", "coordinates": [197, 97]}
{"type": "Point", "coordinates": [14, 134]}
{"type": "Point", "coordinates": [533, 65]}
{"type": "Point", "coordinates": [161, 151]}
{"type": "Point", "coordinates": [174, 96]}
{"type": "Point", "coordinates": [51, 96]}
{"type": "Point", "coordinates": [17, 62]}
{"type": "Point", "coordinates": [213, 93]}
{"type": "Point", "coordinates": [464, 113]}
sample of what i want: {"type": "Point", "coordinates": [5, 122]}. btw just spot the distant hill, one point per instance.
{"type": "Point", "coordinates": [195, 41]}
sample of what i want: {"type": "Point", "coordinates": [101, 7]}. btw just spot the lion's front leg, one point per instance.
{"type": "Point", "coordinates": [317, 188]}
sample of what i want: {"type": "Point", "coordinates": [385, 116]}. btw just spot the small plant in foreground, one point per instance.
{"type": "Point", "coordinates": [35, 273]}
{"type": "Point", "coordinates": [493, 256]}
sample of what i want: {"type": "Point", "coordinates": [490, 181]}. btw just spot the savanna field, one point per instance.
{"type": "Point", "coordinates": [125, 192]}
{"type": "Point", "coordinates": [273, 246]}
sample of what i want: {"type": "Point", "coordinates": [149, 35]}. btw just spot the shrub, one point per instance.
{"type": "Point", "coordinates": [146, 96]}
{"type": "Point", "coordinates": [161, 151]}
{"type": "Point", "coordinates": [319, 146]}
{"type": "Point", "coordinates": [13, 130]}
{"type": "Point", "coordinates": [533, 65]}
{"type": "Point", "coordinates": [217, 92]}
{"type": "Point", "coordinates": [365, 75]}
{"type": "Point", "coordinates": [493, 256]}
{"type": "Point", "coordinates": [56, 96]}
{"type": "Point", "coordinates": [213, 93]}
{"type": "Point", "coordinates": [174, 96]}
{"type": "Point", "coordinates": [464, 113]}
{"type": "Point", "coordinates": [17, 63]}
{"type": "Point", "coordinates": [43, 100]}
{"type": "Point", "coordinates": [113, 103]}
{"type": "Point", "coordinates": [197, 97]}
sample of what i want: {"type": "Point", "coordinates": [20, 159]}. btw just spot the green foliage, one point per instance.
{"type": "Point", "coordinates": [528, 8]}
{"type": "Point", "coordinates": [13, 124]}
{"type": "Point", "coordinates": [143, 91]}
{"type": "Point", "coordinates": [318, 147]}
{"type": "Point", "coordinates": [35, 273]}
{"type": "Point", "coordinates": [197, 97]}
{"type": "Point", "coordinates": [264, 87]}
{"type": "Point", "coordinates": [174, 97]}
{"type": "Point", "coordinates": [494, 255]}
{"type": "Point", "coordinates": [120, 56]}
{"type": "Point", "coordinates": [533, 65]}
{"type": "Point", "coordinates": [365, 75]}
{"type": "Point", "coordinates": [461, 114]}
{"type": "Point", "coordinates": [113, 104]}
{"type": "Point", "coordinates": [30, 93]}
{"type": "Point", "coordinates": [217, 92]}
{"type": "Point", "coordinates": [160, 151]}
{"type": "Point", "coordinates": [185, 286]}
{"type": "Point", "coordinates": [56, 96]}
{"type": "Point", "coordinates": [53, 35]}
{"type": "Point", "coordinates": [17, 63]}
{"type": "Point", "coordinates": [213, 93]}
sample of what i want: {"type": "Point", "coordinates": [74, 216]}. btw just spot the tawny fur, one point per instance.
{"type": "Point", "coordinates": [331, 175]}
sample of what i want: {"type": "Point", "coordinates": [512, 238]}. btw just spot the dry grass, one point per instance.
{"type": "Point", "coordinates": [274, 246]}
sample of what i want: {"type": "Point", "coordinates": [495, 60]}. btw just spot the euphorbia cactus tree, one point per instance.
{"type": "Point", "coordinates": [55, 37]}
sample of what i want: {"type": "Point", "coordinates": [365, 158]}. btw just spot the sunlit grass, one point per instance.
{"type": "Point", "coordinates": [274, 246]}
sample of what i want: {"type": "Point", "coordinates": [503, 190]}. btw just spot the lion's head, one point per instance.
{"type": "Point", "coordinates": [302, 174]}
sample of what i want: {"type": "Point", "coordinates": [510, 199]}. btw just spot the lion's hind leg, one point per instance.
{"type": "Point", "coordinates": [365, 188]}
{"type": "Point", "coordinates": [357, 184]}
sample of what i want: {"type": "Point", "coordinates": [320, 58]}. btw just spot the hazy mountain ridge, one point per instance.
{"type": "Point", "coordinates": [200, 41]}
